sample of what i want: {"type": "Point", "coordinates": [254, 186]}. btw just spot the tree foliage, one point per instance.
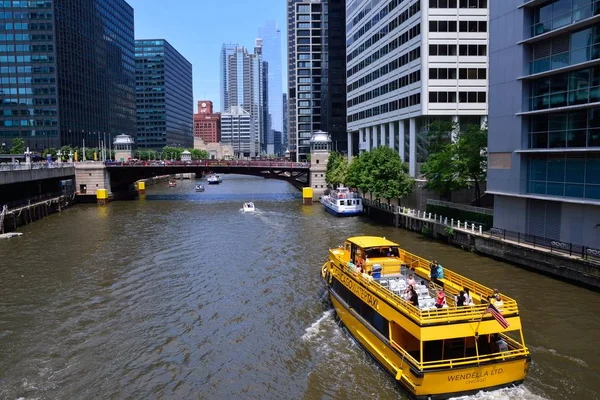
{"type": "Point", "coordinates": [381, 173]}
{"type": "Point", "coordinates": [50, 150]}
{"type": "Point", "coordinates": [18, 146]}
{"type": "Point", "coordinates": [388, 174]}
{"type": "Point", "coordinates": [454, 165]}
{"type": "Point", "coordinates": [199, 154]}
{"type": "Point", "coordinates": [337, 170]}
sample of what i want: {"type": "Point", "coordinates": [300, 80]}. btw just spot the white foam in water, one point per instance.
{"type": "Point", "coordinates": [540, 349]}
{"type": "Point", "coordinates": [516, 393]}
{"type": "Point", "coordinates": [313, 331]}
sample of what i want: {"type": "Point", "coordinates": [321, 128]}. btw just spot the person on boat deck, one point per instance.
{"type": "Point", "coordinates": [440, 299]}
{"type": "Point", "coordinates": [460, 300]}
{"type": "Point", "coordinates": [497, 302]}
{"type": "Point", "coordinates": [468, 298]}
{"type": "Point", "coordinates": [414, 298]}
{"type": "Point", "coordinates": [437, 273]}
{"type": "Point", "coordinates": [411, 281]}
{"type": "Point", "coordinates": [500, 343]}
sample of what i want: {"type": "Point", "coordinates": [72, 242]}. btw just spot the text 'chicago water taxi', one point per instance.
{"type": "Point", "coordinates": [435, 353]}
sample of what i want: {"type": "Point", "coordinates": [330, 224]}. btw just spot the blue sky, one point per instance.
{"type": "Point", "coordinates": [198, 28]}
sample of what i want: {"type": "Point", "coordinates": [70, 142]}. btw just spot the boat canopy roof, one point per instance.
{"type": "Point", "coordinates": [371, 241]}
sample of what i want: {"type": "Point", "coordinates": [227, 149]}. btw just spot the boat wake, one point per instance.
{"type": "Point", "coordinates": [540, 349]}
{"type": "Point", "coordinates": [325, 322]}
{"type": "Point", "coordinates": [516, 393]}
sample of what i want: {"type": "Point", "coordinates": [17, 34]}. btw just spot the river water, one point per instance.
{"type": "Point", "coordinates": [183, 296]}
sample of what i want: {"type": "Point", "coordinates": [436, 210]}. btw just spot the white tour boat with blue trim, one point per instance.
{"type": "Point", "coordinates": [343, 202]}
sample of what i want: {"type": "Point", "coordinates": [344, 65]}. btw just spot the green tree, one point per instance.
{"type": "Point", "coordinates": [441, 171]}
{"type": "Point", "coordinates": [198, 154]}
{"type": "Point", "coordinates": [65, 152]}
{"type": "Point", "coordinates": [335, 173]}
{"type": "Point", "coordinates": [439, 134]}
{"type": "Point", "coordinates": [387, 174]}
{"type": "Point", "coordinates": [471, 151]}
{"type": "Point", "coordinates": [51, 151]}
{"type": "Point", "coordinates": [18, 146]}
{"type": "Point", "coordinates": [353, 176]}
{"type": "Point", "coordinates": [172, 153]}
{"type": "Point", "coordinates": [3, 149]}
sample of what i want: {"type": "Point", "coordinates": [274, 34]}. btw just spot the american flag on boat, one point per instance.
{"type": "Point", "coordinates": [497, 315]}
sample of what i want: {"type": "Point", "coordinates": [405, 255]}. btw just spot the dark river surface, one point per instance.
{"type": "Point", "coordinates": [183, 296]}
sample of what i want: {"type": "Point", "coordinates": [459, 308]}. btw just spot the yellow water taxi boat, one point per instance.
{"type": "Point", "coordinates": [435, 353]}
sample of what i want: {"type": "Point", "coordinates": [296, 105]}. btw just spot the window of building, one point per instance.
{"type": "Point", "coordinates": [442, 26]}
{"type": "Point", "coordinates": [472, 50]}
{"type": "Point", "coordinates": [443, 3]}
{"type": "Point", "coordinates": [473, 4]}
{"type": "Point", "coordinates": [564, 175]}
{"type": "Point", "coordinates": [472, 26]}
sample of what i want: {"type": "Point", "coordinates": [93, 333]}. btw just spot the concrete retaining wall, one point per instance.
{"type": "Point", "coordinates": [561, 266]}
{"type": "Point", "coordinates": [573, 269]}
{"type": "Point", "coordinates": [28, 175]}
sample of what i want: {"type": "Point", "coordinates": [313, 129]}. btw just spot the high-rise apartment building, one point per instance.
{"type": "Point", "coordinates": [544, 123]}
{"type": "Point", "coordinates": [284, 136]}
{"type": "Point", "coordinates": [271, 54]}
{"type": "Point", "coordinates": [207, 124]}
{"type": "Point", "coordinates": [410, 63]}
{"type": "Point", "coordinates": [316, 73]}
{"type": "Point", "coordinates": [66, 72]}
{"type": "Point", "coordinates": [243, 86]}
{"type": "Point", "coordinates": [228, 49]}
{"type": "Point", "coordinates": [164, 96]}
{"type": "Point", "coordinates": [236, 130]}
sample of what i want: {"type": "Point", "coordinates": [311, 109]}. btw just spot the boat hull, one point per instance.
{"type": "Point", "coordinates": [440, 384]}
{"type": "Point", "coordinates": [341, 213]}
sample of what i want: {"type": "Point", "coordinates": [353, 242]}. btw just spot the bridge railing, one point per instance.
{"type": "Point", "coordinates": [34, 165]}
{"type": "Point", "coordinates": [212, 163]}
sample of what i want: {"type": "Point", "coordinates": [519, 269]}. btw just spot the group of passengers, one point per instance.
{"type": "Point", "coordinates": [436, 273]}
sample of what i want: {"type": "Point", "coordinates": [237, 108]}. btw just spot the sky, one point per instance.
{"type": "Point", "coordinates": [198, 28]}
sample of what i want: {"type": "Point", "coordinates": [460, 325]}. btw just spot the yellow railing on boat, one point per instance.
{"type": "Point", "coordinates": [448, 314]}
{"type": "Point", "coordinates": [457, 362]}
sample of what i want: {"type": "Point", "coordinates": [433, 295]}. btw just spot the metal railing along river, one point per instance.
{"type": "Point", "coordinates": [34, 165]}
{"type": "Point", "coordinates": [537, 242]}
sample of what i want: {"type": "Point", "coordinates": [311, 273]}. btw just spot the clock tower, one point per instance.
{"type": "Point", "coordinates": [205, 107]}
{"type": "Point", "coordinates": [207, 123]}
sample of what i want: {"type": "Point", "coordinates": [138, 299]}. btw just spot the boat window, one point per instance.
{"type": "Point", "coordinates": [358, 202]}
{"type": "Point", "coordinates": [342, 202]}
{"type": "Point", "coordinates": [376, 320]}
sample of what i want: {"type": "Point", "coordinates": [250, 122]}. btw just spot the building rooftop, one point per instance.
{"type": "Point", "coordinates": [320, 137]}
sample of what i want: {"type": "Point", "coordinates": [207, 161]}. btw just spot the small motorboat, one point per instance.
{"type": "Point", "coordinates": [214, 179]}
{"type": "Point", "coordinates": [249, 207]}
{"type": "Point", "coordinates": [172, 184]}
{"type": "Point", "coordinates": [199, 188]}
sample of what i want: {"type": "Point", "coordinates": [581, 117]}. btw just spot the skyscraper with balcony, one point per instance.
{"type": "Point", "coordinates": [410, 63]}
{"type": "Point", "coordinates": [66, 72]}
{"type": "Point", "coordinates": [544, 123]}
{"type": "Point", "coordinates": [243, 86]}
{"type": "Point", "coordinates": [316, 74]}
{"type": "Point", "coordinates": [271, 54]}
{"type": "Point", "coordinates": [164, 96]}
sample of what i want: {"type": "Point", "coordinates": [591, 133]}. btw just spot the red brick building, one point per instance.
{"type": "Point", "coordinates": [207, 125]}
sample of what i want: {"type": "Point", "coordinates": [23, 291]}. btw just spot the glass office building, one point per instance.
{"type": "Point", "coordinates": [164, 96]}
{"type": "Point", "coordinates": [544, 125]}
{"type": "Point", "coordinates": [66, 72]}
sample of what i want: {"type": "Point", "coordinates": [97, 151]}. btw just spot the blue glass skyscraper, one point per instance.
{"type": "Point", "coordinates": [164, 96]}
{"type": "Point", "coordinates": [66, 71]}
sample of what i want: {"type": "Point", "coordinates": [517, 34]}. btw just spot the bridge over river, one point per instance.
{"type": "Point", "coordinates": [119, 176]}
